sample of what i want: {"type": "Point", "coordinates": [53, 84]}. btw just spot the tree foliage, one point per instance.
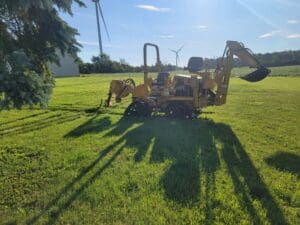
{"type": "Point", "coordinates": [31, 35]}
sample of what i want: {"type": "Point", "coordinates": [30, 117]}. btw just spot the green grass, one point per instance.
{"type": "Point", "coordinates": [235, 164]}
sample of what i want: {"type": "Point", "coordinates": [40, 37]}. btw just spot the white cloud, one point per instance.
{"type": "Point", "coordinates": [266, 35]}
{"type": "Point", "coordinates": [89, 43]}
{"type": "Point", "coordinates": [153, 8]}
{"type": "Point", "coordinates": [112, 46]}
{"type": "Point", "coordinates": [80, 14]}
{"type": "Point", "coordinates": [269, 34]}
{"type": "Point", "coordinates": [166, 36]}
{"type": "Point", "coordinates": [94, 43]}
{"type": "Point", "coordinates": [293, 21]}
{"type": "Point", "coordinates": [201, 27]}
{"type": "Point", "coordinates": [293, 36]}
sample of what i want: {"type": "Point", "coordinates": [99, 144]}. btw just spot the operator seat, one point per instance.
{"type": "Point", "coordinates": [195, 64]}
{"type": "Point", "coordinates": [161, 78]}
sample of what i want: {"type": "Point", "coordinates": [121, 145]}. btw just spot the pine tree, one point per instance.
{"type": "Point", "coordinates": [31, 35]}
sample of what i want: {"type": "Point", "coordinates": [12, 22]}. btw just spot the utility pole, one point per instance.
{"type": "Point", "coordinates": [98, 26]}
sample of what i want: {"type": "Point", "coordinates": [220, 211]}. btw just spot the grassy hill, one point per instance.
{"type": "Point", "coordinates": [235, 164]}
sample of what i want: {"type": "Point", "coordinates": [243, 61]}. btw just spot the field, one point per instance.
{"type": "Point", "coordinates": [235, 164]}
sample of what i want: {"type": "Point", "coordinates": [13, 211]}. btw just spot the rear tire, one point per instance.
{"type": "Point", "coordinates": [179, 110]}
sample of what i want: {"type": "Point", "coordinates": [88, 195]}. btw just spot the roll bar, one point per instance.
{"type": "Point", "coordinates": [158, 63]}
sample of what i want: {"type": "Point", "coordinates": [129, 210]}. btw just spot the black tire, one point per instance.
{"type": "Point", "coordinates": [173, 110]}
{"type": "Point", "coordinates": [138, 109]}
{"type": "Point", "coordinates": [179, 110]}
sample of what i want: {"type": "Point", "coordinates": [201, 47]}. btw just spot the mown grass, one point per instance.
{"type": "Point", "coordinates": [235, 164]}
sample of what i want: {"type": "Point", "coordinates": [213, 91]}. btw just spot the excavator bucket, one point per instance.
{"type": "Point", "coordinates": [257, 75]}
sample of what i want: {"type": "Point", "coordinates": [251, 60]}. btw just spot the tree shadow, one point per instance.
{"type": "Point", "coordinates": [248, 184]}
{"type": "Point", "coordinates": [190, 147]}
{"type": "Point", "coordinates": [38, 124]}
{"type": "Point", "coordinates": [93, 125]}
{"type": "Point", "coordinates": [285, 161]}
{"type": "Point", "coordinates": [72, 108]}
{"type": "Point", "coordinates": [70, 192]}
{"type": "Point", "coordinates": [24, 118]}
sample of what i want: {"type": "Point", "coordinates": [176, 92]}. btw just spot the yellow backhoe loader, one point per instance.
{"type": "Point", "coordinates": [184, 96]}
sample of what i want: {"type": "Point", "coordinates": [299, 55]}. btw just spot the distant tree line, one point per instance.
{"type": "Point", "coordinates": [103, 63]}
{"type": "Point", "coordinates": [285, 58]}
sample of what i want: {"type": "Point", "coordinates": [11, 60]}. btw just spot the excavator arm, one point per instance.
{"type": "Point", "coordinates": [247, 56]}
{"type": "Point", "coordinates": [121, 89]}
{"type": "Point", "coordinates": [223, 70]}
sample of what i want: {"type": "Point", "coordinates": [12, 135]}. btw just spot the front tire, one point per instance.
{"type": "Point", "coordinates": [138, 109]}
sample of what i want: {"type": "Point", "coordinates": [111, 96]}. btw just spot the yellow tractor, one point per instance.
{"type": "Point", "coordinates": [181, 95]}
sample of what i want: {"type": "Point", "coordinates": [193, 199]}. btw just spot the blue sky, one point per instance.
{"type": "Point", "coordinates": [202, 26]}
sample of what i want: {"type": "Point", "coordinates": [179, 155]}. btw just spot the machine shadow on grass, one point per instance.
{"type": "Point", "coordinates": [191, 146]}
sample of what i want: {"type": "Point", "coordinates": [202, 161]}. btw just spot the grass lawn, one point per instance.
{"type": "Point", "coordinates": [235, 164]}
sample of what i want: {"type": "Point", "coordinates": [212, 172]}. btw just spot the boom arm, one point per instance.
{"type": "Point", "coordinates": [223, 70]}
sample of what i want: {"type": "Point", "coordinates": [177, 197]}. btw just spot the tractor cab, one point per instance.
{"type": "Point", "coordinates": [195, 64]}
